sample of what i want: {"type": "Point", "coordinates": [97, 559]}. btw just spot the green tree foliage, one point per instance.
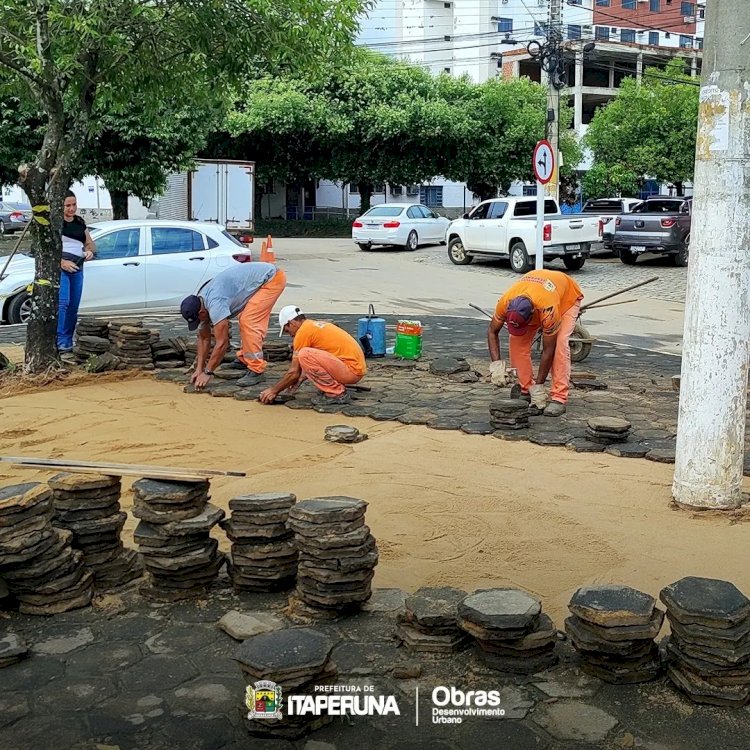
{"type": "Point", "coordinates": [81, 61]}
{"type": "Point", "coordinates": [605, 181]}
{"type": "Point", "coordinates": [649, 130]}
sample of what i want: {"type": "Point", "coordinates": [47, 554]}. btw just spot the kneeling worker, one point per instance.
{"type": "Point", "coordinates": [247, 291]}
{"type": "Point", "coordinates": [549, 300]}
{"type": "Point", "coordinates": [323, 353]}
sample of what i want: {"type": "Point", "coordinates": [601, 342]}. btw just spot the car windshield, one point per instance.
{"type": "Point", "coordinates": [384, 211]}
{"type": "Point", "coordinates": [659, 207]}
{"type": "Point", "coordinates": [602, 207]}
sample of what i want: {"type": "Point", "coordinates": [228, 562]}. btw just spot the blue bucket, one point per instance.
{"type": "Point", "coordinates": [371, 334]}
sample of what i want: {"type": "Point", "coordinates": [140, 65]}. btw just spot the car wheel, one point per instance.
{"type": "Point", "coordinates": [627, 257]}
{"type": "Point", "coordinates": [457, 253]}
{"type": "Point", "coordinates": [519, 258]}
{"type": "Point", "coordinates": [19, 308]}
{"type": "Point", "coordinates": [680, 259]}
{"type": "Point", "coordinates": [574, 264]}
{"type": "Point", "coordinates": [364, 246]}
{"type": "Point", "coordinates": [2, 227]}
{"type": "Point", "coordinates": [412, 241]}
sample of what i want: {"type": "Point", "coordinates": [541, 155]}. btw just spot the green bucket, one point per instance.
{"type": "Point", "coordinates": [408, 339]}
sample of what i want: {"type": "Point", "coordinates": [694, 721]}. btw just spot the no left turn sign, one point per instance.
{"type": "Point", "coordinates": [544, 162]}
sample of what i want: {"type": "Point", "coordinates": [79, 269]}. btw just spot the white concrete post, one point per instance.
{"type": "Point", "coordinates": [578, 92]}
{"type": "Point", "coordinates": [713, 389]}
{"type": "Point", "coordinates": [540, 225]}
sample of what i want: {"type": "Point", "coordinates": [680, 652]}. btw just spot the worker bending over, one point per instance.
{"type": "Point", "coordinates": [323, 353]}
{"type": "Point", "coordinates": [549, 300]}
{"type": "Point", "coordinates": [247, 291]}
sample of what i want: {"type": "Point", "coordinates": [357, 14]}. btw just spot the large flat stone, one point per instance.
{"type": "Point", "coordinates": [706, 601]}
{"type": "Point", "coordinates": [327, 510]}
{"type": "Point", "coordinates": [434, 607]}
{"type": "Point", "coordinates": [262, 501]}
{"type": "Point", "coordinates": [244, 625]}
{"type": "Point", "coordinates": [501, 608]}
{"type": "Point", "coordinates": [64, 644]}
{"type": "Point", "coordinates": [610, 605]}
{"type": "Point", "coordinates": [574, 721]}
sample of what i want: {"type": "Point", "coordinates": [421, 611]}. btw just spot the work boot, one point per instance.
{"type": "Point", "coordinates": [252, 378]}
{"type": "Point", "coordinates": [555, 409]}
{"type": "Point", "coordinates": [324, 398]}
{"type": "Point", "coordinates": [238, 364]}
{"type": "Point", "coordinates": [516, 392]}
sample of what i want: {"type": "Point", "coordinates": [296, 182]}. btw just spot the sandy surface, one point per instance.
{"type": "Point", "coordinates": [446, 508]}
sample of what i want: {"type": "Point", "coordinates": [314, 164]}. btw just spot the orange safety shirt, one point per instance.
{"type": "Point", "coordinates": [332, 339]}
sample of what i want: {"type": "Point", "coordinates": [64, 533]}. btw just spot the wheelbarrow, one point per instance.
{"type": "Point", "coordinates": [581, 341]}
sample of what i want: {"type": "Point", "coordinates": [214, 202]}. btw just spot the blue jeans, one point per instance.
{"type": "Point", "coordinates": [71, 288]}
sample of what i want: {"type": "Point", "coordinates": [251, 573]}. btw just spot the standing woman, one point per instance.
{"type": "Point", "coordinates": [77, 248]}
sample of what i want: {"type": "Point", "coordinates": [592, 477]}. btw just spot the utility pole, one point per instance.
{"type": "Point", "coordinates": [713, 388]}
{"type": "Point", "coordinates": [556, 73]}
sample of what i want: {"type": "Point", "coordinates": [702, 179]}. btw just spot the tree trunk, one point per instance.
{"type": "Point", "coordinates": [365, 196]}
{"type": "Point", "coordinates": [257, 204]}
{"type": "Point", "coordinates": [679, 189]}
{"type": "Point", "coordinates": [119, 200]}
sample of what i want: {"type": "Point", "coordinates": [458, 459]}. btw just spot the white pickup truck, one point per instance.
{"type": "Point", "coordinates": [506, 228]}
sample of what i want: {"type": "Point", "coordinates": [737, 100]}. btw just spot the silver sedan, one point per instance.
{"type": "Point", "coordinates": [407, 225]}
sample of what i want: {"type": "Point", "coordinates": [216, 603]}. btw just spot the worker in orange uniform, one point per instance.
{"type": "Point", "coordinates": [324, 354]}
{"type": "Point", "coordinates": [550, 300]}
{"type": "Point", "coordinates": [247, 291]}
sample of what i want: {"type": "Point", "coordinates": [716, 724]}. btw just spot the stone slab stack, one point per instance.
{"type": "Point", "coordinates": [174, 537]}
{"type": "Point", "coordinates": [297, 660]}
{"type": "Point", "coordinates": [613, 629]}
{"type": "Point", "coordinates": [96, 327]}
{"type": "Point", "coordinates": [275, 350]}
{"type": "Point", "coordinates": [263, 555]}
{"type": "Point", "coordinates": [509, 414]}
{"type": "Point", "coordinates": [86, 347]}
{"type": "Point", "coordinates": [131, 343]}
{"type": "Point", "coordinates": [429, 623]}
{"type": "Point", "coordinates": [88, 505]}
{"type": "Point", "coordinates": [337, 555]}
{"type": "Point", "coordinates": [708, 650]}
{"type": "Point", "coordinates": [41, 569]}
{"type": "Point", "coordinates": [166, 355]}
{"type": "Point", "coordinates": [343, 433]}
{"type": "Point", "coordinates": [512, 633]}
{"type": "Point", "coordinates": [607, 430]}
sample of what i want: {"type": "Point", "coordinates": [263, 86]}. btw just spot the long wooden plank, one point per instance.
{"type": "Point", "coordinates": [105, 466]}
{"type": "Point", "coordinates": [117, 472]}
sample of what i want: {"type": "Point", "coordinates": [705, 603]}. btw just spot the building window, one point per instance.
{"type": "Point", "coordinates": [353, 188]}
{"type": "Point", "coordinates": [653, 38]}
{"type": "Point", "coordinates": [687, 9]}
{"type": "Point", "coordinates": [574, 31]}
{"type": "Point", "coordinates": [505, 25]}
{"type": "Point", "coordinates": [686, 41]}
{"type": "Point", "coordinates": [446, 70]}
{"type": "Point", "coordinates": [699, 42]}
{"type": "Point", "coordinates": [629, 4]}
{"type": "Point", "coordinates": [601, 32]}
{"type": "Point", "coordinates": [702, 13]}
{"type": "Point", "coordinates": [431, 195]}
{"type": "Point", "coordinates": [654, 6]}
{"type": "Point", "coordinates": [529, 190]}
{"type": "Point", "coordinates": [575, 2]}
{"type": "Point", "coordinates": [602, 3]}
{"type": "Point", "coordinates": [627, 35]}
{"type": "Point", "coordinates": [268, 187]}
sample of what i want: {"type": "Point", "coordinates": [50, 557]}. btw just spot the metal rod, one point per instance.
{"type": "Point", "coordinates": [622, 291]}
{"type": "Point", "coordinates": [592, 306]}
{"type": "Point", "coordinates": [484, 312]}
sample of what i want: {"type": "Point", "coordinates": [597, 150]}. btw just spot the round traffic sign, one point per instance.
{"type": "Point", "coordinates": [544, 162]}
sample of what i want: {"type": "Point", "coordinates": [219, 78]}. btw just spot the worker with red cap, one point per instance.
{"type": "Point", "coordinates": [546, 300]}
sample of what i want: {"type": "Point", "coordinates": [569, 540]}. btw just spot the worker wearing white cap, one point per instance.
{"type": "Point", "coordinates": [324, 354]}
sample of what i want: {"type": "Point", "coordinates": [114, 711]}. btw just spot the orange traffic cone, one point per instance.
{"type": "Point", "coordinates": [263, 253]}
{"type": "Point", "coordinates": [270, 254]}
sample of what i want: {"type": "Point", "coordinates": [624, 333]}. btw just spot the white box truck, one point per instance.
{"type": "Point", "coordinates": [217, 191]}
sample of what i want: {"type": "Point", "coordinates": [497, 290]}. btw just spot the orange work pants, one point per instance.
{"type": "Point", "coordinates": [254, 322]}
{"type": "Point", "coordinates": [520, 357]}
{"type": "Point", "coordinates": [326, 372]}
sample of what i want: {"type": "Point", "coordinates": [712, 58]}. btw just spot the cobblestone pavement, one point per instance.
{"type": "Point", "coordinates": [600, 275]}
{"type": "Point", "coordinates": [129, 674]}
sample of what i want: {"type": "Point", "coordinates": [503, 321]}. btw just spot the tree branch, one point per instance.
{"type": "Point", "coordinates": [29, 75]}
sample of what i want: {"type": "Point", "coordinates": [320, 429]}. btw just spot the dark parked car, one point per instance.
{"type": "Point", "coordinates": [13, 217]}
{"type": "Point", "coordinates": [607, 209]}
{"type": "Point", "coordinates": [658, 225]}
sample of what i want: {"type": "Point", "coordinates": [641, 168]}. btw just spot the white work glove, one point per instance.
{"type": "Point", "coordinates": [539, 397]}
{"type": "Point", "coordinates": [499, 374]}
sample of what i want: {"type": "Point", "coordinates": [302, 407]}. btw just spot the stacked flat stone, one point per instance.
{"type": "Point", "coordinates": [298, 660]}
{"type": "Point", "coordinates": [429, 623]}
{"type": "Point", "coordinates": [275, 350]}
{"type": "Point", "coordinates": [96, 327]}
{"type": "Point", "coordinates": [613, 629]}
{"type": "Point", "coordinates": [131, 343]}
{"type": "Point", "coordinates": [88, 505]}
{"type": "Point", "coordinates": [263, 556]}
{"type": "Point", "coordinates": [85, 347]}
{"type": "Point", "coordinates": [166, 355]}
{"type": "Point", "coordinates": [342, 433]}
{"type": "Point", "coordinates": [174, 537]}
{"type": "Point", "coordinates": [337, 554]}
{"type": "Point", "coordinates": [509, 414]}
{"type": "Point", "coordinates": [512, 633]}
{"type": "Point", "coordinates": [40, 568]}
{"type": "Point", "coordinates": [608, 430]}
{"type": "Point", "coordinates": [708, 650]}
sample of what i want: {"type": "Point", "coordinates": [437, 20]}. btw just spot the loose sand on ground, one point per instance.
{"type": "Point", "coordinates": [446, 508]}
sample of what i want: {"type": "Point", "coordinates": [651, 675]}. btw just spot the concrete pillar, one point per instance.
{"type": "Point", "coordinates": [611, 75]}
{"type": "Point", "coordinates": [578, 92]}
{"type": "Point", "coordinates": [713, 390]}
{"type": "Point", "coordinates": [639, 66]}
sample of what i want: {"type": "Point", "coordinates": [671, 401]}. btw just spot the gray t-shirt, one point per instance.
{"type": "Point", "coordinates": [228, 292]}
